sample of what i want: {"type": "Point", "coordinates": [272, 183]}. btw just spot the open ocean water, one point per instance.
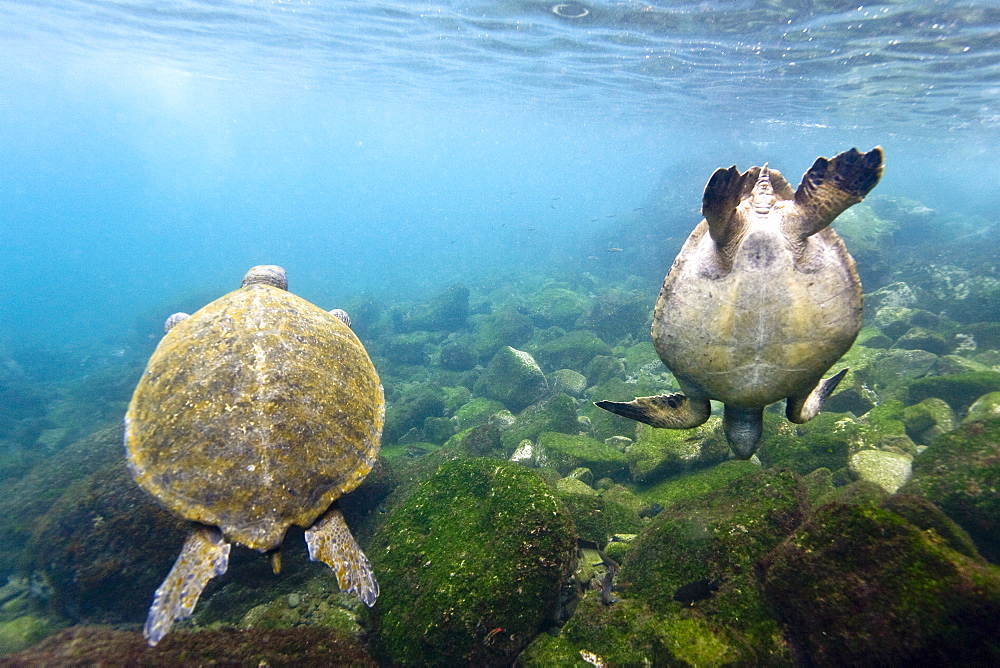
{"type": "Point", "coordinates": [151, 152]}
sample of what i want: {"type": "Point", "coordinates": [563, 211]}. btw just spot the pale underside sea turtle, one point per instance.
{"type": "Point", "coordinates": [255, 413]}
{"type": "Point", "coordinates": [762, 299]}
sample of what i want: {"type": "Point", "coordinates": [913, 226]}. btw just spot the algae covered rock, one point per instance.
{"type": "Point", "coordinates": [557, 413]}
{"type": "Point", "coordinates": [481, 545]}
{"type": "Point", "coordinates": [860, 584]}
{"type": "Point", "coordinates": [959, 390]}
{"type": "Point", "coordinates": [928, 419]}
{"type": "Point", "coordinates": [985, 408]}
{"type": "Point", "coordinates": [556, 306]}
{"type": "Point", "coordinates": [719, 535]}
{"type": "Point", "coordinates": [105, 646]}
{"type": "Point", "coordinates": [505, 327]}
{"type": "Point", "coordinates": [959, 473]}
{"type": "Point", "coordinates": [658, 453]}
{"type": "Point", "coordinates": [571, 382]}
{"type": "Point", "coordinates": [629, 633]}
{"type": "Point", "coordinates": [104, 546]}
{"type": "Point", "coordinates": [572, 351]}
{"type": "Point", "coordinates": [566, 452]}
{"type": "Point", "coordinates": [889, 470]}
{"type": "Point", "coordinates": [513, 378]}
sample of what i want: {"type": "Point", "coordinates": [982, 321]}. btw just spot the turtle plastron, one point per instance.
{"type": "Point", "coordinates": [205, 554]}
{"type": "Point", "coordinates": [331, 542]}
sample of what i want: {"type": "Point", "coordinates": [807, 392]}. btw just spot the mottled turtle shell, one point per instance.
{"type": "Point", "coordinates": [254, 414]}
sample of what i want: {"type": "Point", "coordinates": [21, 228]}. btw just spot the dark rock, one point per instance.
{"type": "Point", "coordinates": [104, 646]}
{"type": "Point", "coordinates": [458, 357]}
{"type": "Point", "coordinates": [104, 547]}
{"type": "Point", "coordinates": [920, 338]}
{"type": "Point", "coordinates": [959, 473]}
{"type": "Point", "coordinates": [959, 390]}
{"type": "Point", "coordinates": [859, 584]}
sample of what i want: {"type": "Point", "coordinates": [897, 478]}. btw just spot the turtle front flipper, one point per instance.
{"type": "Point", "coordinates": [667, 411]}
{"type": "Point", "coordinates": [205, 554]}
{"type": "Point", "coordinates": [331, 542]}
{"type": "Point", "coordinates": [830, 187]}
{"type": "Point", "coordinates": [803, 409]}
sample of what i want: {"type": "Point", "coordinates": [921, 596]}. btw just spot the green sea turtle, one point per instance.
{"type": "Point", "coordinates": [762, 299]}
{"type": "Point", "coordinates": [255, 413]}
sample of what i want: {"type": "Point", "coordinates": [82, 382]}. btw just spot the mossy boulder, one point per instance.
{"type": "Point", "coordinates": [928, 419]}
{"type": "Point", "coordinates": [889, 470]}
{"type": "Point", "coordinates": [603, 368]}
{"type": "Point", "coordinates": [959, 473]}
{"type": "Point", "coordinates": [571, 382]}
{"type": "Point", "coordinates": [105, 646]}
{"type": "Point", "coordinates": [410, 349]}
{"type": "Point", "coordinates": [599, 515]}
{"type": "Point", "coordinates": [557, 413]}
{"type": "Point", "coordinates": [862, 584]}
{"type": "Point", "coordinates": [617, 315]}
{"type": "Point", "coordinates": [823, 442]}
{"type": "Point", "coordinates": [556, 306]}
{"type": "Point", "coordinates": [959, 390]}
{"type": "Point", "coordinates": [410, 408]}
{"type": "Point", "coordinates": [104, 547]}
{"type": "Point", "coordinates": [642, 357]}
{"type": "Point", "coordinates": [572, 351]}
{"type": "Point", "coordinates": [25, 499]}
{"type": "Point", "coordinates": [565, 452]}
{"type": "Point", "coordinates": [447, 310]}
{"type": "Point", "coordinates": [921, 338]}
{"type": "Point", "coordinates": [505, 327]}
{"type": "Point", "coordinates": [480, 545]}
{"type": "Point", "coordinates": [457, 356]}
{"type": "Point", "coordinates": [24, 631]}
{"type": "Point", "coordinates": [720, 535]}
{"type": "Point", "coordinates": [892, 374]}
{"type": "Point", "coordinates": [476, 412]}
{"type": "Point", "coordinates": [513, 378]}
{"type": "Point", "coordinates": [984, 409]}
{"type": "Point", "coordinates": [658, 453]}
{"type": "Point", "coordinates": [689, 486]}
{"type": "Point", "coordinates": [630, 633]}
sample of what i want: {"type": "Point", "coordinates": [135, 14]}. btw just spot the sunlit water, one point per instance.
{"type": "Point", "coordinates": [150, 152]}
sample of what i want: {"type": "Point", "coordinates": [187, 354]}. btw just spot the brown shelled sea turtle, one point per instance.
{"type": "Point", "coordinates": [255, 413]}
{"type": "Point", "coordinates": [762, 299]}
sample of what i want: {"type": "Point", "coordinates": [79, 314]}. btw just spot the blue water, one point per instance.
{"type": "Point", "coordinates": [150, 152]}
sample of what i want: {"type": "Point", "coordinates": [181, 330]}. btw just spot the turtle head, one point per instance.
{"type": "Point", "coordinates": [763, 197]}
{"type": "Point", "coordinates": [267, 274]}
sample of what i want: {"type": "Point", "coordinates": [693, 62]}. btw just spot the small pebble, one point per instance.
{"type": "Point", "coordinates": [294, 600]}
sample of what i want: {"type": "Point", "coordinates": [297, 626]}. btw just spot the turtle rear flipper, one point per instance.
{"type": "Point", "coordinates": [830, 187]}
{"type": "Point", "coordinates": [205, 554]}
{"type": "Point", "coordinates": [667, 411]}
{"type": "Point", "coordinates": [803, 409]}
{"type": "Point", "coordinates": [331, 542]}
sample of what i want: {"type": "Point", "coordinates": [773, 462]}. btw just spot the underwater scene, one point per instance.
{"type": "Point", "coordinates": [600, 333]}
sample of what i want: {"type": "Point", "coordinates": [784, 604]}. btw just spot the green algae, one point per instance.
{"type": "Point", "coordinates": [480, 545]}
{"type": "Point", "coordinates": [569, 451]}
{"type": "Point", "coordinates": [859, 583]}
